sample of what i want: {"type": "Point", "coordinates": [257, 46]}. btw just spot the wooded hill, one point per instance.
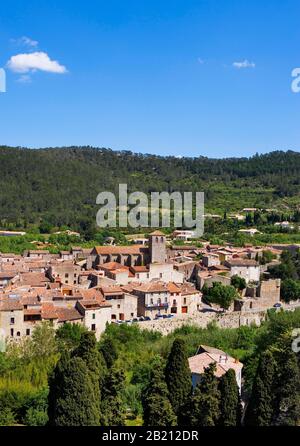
{"type": "Point", "coordinates": [60, 185]}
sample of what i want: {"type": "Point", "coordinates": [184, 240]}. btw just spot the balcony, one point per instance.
{"type": "Point", "coordinates": [157, 305]}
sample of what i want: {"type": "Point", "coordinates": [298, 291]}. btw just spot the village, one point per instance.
{"type": "Point", "coordinates": [152, 282]}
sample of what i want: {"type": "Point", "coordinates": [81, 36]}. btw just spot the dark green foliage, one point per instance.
{"type": "Point", "coordinates": [31, 181]}
{"type": "Point", "coordinates": [109, 351]}
{"type": "Point", "coordinates": [204, 406]}
{"type": "Point", "coordinates": [178, 375]}
{"type": "Point", "coordinates": [89, 352]}
{"type": "Point", "coordinates": [238, 282]}
{"type": "Point", "coordinates": [72, 395]}
{"type": "Point", "coordinates": [112, 405]}
{"type": "Point", "coordinates": [261, 406]}
{"type": "Point", "coordinates": [7, 417]}
{"type": "Point", "coordinates": [290, 290]}
{"type": "Point", "coordinates": [36, 409]}
{"type": "Point", "coordinates": [287, 381]}
{"type": "Point", "coordinates": [157, 408]}
{"type": "Point", "coordinates": [219, 294]}
{"type": "Point", "coordinates": [230, 404]}
{"type": "Point", "coordinates": [68, 336]}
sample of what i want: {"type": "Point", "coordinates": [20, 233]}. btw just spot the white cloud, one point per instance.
{"type": "Point", "coordinates": [24, 79]}
{"type": "Point", "coordinates": [244, 64]}
{"type": "Point", "coordinates": [27, 62]}
{"type": "Point", "coordinates": [200, 61]}
{"type": "Point", "coordinates": [26, 41]}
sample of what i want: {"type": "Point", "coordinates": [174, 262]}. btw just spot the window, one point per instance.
{"type": "Point", "coordinates": [18, 333]}
{"type": "Point", "coordinates": [119, 306]}
{"type": "Point", "coordinates": [27, 331]}
{"type": "Point", "coordinates": [93, 316]}
{"type": "Point", "coordinates": [151, 301]}
{"type": "Point", "coordinates": [160, 275]}
{"type": "Point", "coordinates": [184, 300]}
{"type": "Point", "coordinates": [93, 328]}
{"type": "Point", "coordinates": [159, 301]}
{"type": "Point", "coordinates": [137, 276]}
{"type": "Point", "coordinates": [12, 320]}
{"type": "Point", "coordinates": [66, 275]}
{"type": "Point", "coordinates": [11, 331]}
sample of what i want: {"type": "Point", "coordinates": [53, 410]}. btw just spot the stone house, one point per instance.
{"type": "Point", "coordinates": [207, 355]}
{"type": "Point", "coordinates": [245, 268]}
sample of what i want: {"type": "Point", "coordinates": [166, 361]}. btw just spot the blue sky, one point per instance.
{"type": "Point", "coordinates": [172, 77]}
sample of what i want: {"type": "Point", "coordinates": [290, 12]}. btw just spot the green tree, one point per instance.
{"type": "Point", "coordinates": [230, 404]}
{"type": "Point", "coordinates": [72, 395]}
{"type": "Point", "coordinates": [109, 351]}
{"type": "Point", "coordinates": [178, 375]}
{"type": "Point", "coordinates": [112, 405]}
{"type": "Point", "coordinates": [238, 282]}
{"type": "Point", "coordinates": [89, 352]}
{"type": "Point", "coordinates": [287, 388]}
{"type": "Point", "coordinates": [260, 409]}
{"type": "Point", "coordinates": [157, 408]}
{"type": "Point", "coordinates": [222, 295]}
{"type": "Point", "coordinates": [68, 336]}
{"type": "Point", "coordinates": [290, 290]}
{"type": "Point", "coordinates": [204, 407]}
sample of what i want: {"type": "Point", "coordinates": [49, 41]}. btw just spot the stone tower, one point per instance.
{"type": "Point", "coordinates": [157, 247]}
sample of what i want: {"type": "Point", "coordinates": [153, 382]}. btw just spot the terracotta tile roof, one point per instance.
{"type": "Point", "coordinates": [92, 294]}
{"type": "Point", "coordinates": [111, 290]}
{"type": "Point", "coordinates": [7, 274]}
{"type": "Point", "coordinates": [68, 314]}
{"type": "Point", "coordinates": [139, 269]}
{"type": "Point", "coordinates": [158, 233]}
{"type": "Point", "coordinates": [242, 262]}
{"type": "Point", "coordinates": [34, 279]}
{"type": "Point", "coordinates": [199, 363]}
{"type": "Point", "coordinates": [173, 288]}
{"type": "Point", "coordinates": [10, 305]}
{"type": "Point", "coordinates": [153, 287]}
{"type": "Point", "coordinates": [111, 266]}
{"type": "Point", "coordinates": [32, 311]}
{"type": "Point", "coordinates": [187, 289]}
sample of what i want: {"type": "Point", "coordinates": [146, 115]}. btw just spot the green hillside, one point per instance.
{"type": "Point", "coordinates": [60, 185]}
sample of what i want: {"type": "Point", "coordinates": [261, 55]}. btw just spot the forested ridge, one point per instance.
{"type": "Point", "coordinates": [61, 184]}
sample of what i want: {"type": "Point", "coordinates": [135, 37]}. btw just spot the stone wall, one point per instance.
{"type": "Point", "coordinates": [223, 320]}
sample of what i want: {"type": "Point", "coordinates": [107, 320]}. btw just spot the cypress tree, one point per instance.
{"type": "Point", "coordinates": [178, 375]}
{"type": "Point", "coordinates": [204, 404]}
{"type": "Point", "coordinates": [287, 389]}
{"type": "Point", "coordinates": [109, 352]}
{"type": "Point", "coordinates": [230, 406]}
{"type": "Point", "coordinates": [157, 408]}
{"type": "Point", "coordinates": [88, 351]}
{"type": "Point", "coordinates": [112, 405]}
{"type": "Point", "coordinates": [260, 409]}
{"type": "Point", "coordinates": [72, 395]}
